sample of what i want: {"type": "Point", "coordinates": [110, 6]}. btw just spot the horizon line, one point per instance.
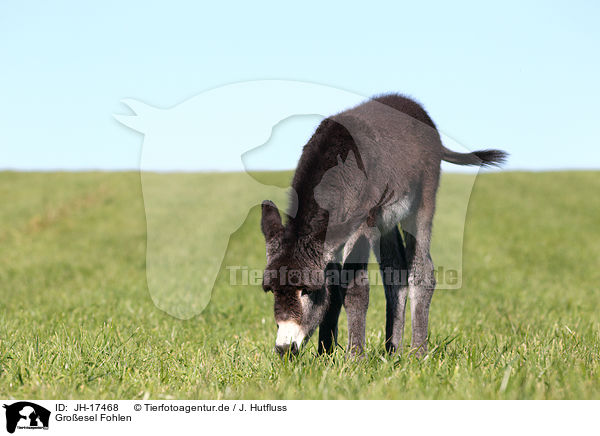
{"type": "Point", "coordinates": [470, 170]}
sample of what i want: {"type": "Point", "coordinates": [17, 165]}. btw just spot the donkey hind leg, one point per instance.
{"type": "Point", "coordinates": [328, 329]}
{"type": "Point", "coordinates": [355, 293]}
{"type": "Point", "coordinates": [394, 269]}
{"type": "Point", "coordinates": [421, 279]}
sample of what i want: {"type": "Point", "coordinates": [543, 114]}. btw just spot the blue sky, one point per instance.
{"type": "Point", "coordinates": [516, 76]}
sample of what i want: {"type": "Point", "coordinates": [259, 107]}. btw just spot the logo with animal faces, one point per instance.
{"type": "Point", "coordinates": [25, 415]}
{"type": "Point", "coordinates": [192, 210]}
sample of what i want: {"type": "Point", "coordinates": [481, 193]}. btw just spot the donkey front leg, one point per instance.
{"type": "Point", "coordinates": [328, 329]}
{"type": "Point", "coordinates": [393, 265]}
{"type": "Point", "coordinates": [355, 293]}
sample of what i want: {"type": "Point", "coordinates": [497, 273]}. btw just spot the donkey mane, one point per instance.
{"type": "Point", "coordinates": [330, 141]}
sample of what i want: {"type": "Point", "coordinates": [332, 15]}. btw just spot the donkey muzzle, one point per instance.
{"type": "Point", "coordinates": [289, 338]}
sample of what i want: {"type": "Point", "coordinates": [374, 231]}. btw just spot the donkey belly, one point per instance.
{"type": "Point", "coordinates": [393, 213]}
{"type": "Point", "coordinates": [389, 216]}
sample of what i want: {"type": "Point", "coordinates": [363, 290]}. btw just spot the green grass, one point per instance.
{"type": "Point", "coordinates": [77, 319]}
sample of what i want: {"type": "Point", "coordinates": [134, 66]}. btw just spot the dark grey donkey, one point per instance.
{"type": "Point", "coordinates": [363, 172]}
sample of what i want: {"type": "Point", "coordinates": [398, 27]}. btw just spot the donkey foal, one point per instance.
{"type": "Point", "coordinates": [363, 172]}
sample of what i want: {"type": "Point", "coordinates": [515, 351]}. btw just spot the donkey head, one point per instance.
{"type": "Point", "coordinates": [295, 274]}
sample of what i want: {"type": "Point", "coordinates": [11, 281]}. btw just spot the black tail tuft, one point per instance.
{"type": "Point", "coordinates": [484, 158]}
{"type": "Point", "coordinates": [491, 157]}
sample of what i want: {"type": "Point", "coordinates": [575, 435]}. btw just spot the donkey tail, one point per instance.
{"type": "Point", "coordinates": [484, 158]}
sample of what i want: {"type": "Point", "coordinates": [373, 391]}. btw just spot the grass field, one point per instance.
{"type": "Point", "coordinates": [77, 320]}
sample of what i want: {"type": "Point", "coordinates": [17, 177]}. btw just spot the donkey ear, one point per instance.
{"type": "Point", "coordinates": [270, 223]}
